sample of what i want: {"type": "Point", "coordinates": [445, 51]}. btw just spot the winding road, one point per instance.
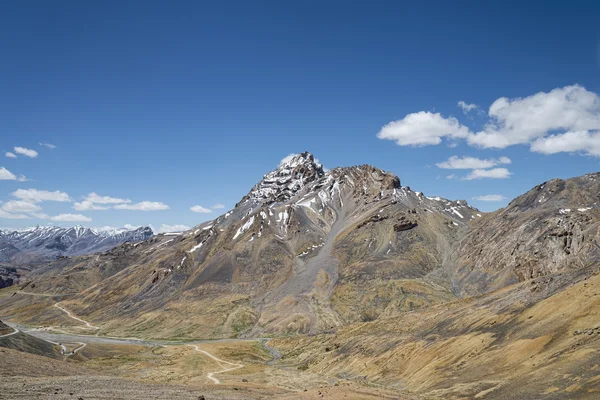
{"type": "Point", "coordinates": [210, 375]}
{"type": "Point", "coordinates": [225, 365]}
{"type": "Point", "coordinates": [15, 331]}
{"type": "Point", "coordinates": [88, 325]}
{"type": "Point", "coordinates": [45, 294]}
{"type": "Point", "coordinates": [79, 348]}
{"type": "Point", "coordinates": [64, 350]}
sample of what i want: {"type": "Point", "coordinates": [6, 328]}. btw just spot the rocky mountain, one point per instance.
{"type": "Point", "coordinates": [555, 227]}
{"type": "Point", "coordinates": [309, 250]}
{"type": "Point", "coordinates": [523, 324]}
{"type": "Point", "coordinates": [357, 277]}
{"type": "Point", "coordinates": [306, 250]}
{"type": "Point", "coordinates": [41, 244]}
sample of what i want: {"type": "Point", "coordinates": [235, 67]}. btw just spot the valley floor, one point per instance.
{"type": "Point", "coordinates": [116, 371]}
{"type": "Point", "coordinates": [538, 339]}
{"type": "Point", "coordinates": [96, 367]}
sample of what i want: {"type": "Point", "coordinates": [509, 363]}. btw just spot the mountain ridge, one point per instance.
{"type": "Point", "coordinates": [40, 244]}
{"type": "Point", "coordinates": [293, 256]}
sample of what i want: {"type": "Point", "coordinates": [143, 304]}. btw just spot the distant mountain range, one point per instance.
{"type": "Point", "coordinates": [41, 244]}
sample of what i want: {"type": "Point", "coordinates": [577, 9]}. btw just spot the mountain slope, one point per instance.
{"type": "Point", "coordinates": [41, 244]}
{"type": "Point", "coordinates": [555, 227]}
{"type": "Point", "coordinates": [13, 339]}
{"type": "Point", "coordinates": [306, 250]}
{"type": "Point", "coordinates": [532, 340]}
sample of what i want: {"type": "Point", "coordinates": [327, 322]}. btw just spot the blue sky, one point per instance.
{"type": "Point", "coordinates": [190, 103]}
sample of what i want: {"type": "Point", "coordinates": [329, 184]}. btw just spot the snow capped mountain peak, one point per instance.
{"type": "Point", "coordinates": [79, 230]}
{"type": "Point", "coordinates": [110, 231]}
{"type": "Point", "coordinates": [293, 161]}
{"type": "Point", "coordinates": [293, 174]}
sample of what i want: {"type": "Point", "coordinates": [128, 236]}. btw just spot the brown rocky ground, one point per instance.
{"type": "Point", "coordinates": [102, 371]}
{"type": "Point", "coordinates": [537, 339]}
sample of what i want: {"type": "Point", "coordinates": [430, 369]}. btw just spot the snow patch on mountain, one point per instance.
{"type": "Point", "coordinates": [40, 244]}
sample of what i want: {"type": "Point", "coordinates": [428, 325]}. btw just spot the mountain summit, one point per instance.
{"type": "Point", "coordinates": [291, 176]}
{"type": "Point", "coordinates": [302, 174]}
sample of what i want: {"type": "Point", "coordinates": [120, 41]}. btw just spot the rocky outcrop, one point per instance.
{"type": "Point", "coordinates": [405, 223]}
{"type": "Point", "coordinates": [8, 276]}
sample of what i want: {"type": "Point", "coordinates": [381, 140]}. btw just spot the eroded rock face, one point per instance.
{"type": "Point", "coordinates": [551, 228]}
{"type": "Point", "coordinates": [8, 276]}
{"type": "Point", "coordinates": [6, 282]}
{"type": "Point", "coordinates": [405, 223]}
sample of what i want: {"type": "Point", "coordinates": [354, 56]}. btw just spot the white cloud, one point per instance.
{"type": "Point", "coordinates": [37, 196]}
{"type": "Point", "coordinates": [451, 176]}
{"type": "Point", "coordinates": [62, 217]}
{"type": "Point", "coordinates": [467, 108]}
{"type": "Point", "coordinates": [71, 218]}
{"type": "Point", "coordinates": [494, 173]}
{"type": "Point", "coordinates": [200, 209]}
{"type": "Point", "coordinates": [522, 120]}
{"type": "Point", "coordinates": [570, 142]}
{"type": "Point", "coordinates": [7, 215]}
{"type": "Point", "coordinates": [10, 155]}
{"type": "Point", "coordinates": [143, 206]}
{"type": "Point", "coordinates": [569, 115]}
{"type": "Point", "coordinates": [490, 197]}
{"type": "Point", "coordinates": [92, 200]}
{"type": "Point", "coordinates": [48, 145]}
{"type": "Point", "coordinates": [86, 205]}
{"type": "Point", "coordinates": [20, 206]}
{"type": "Point", "coordinates": [218, 206]}
{"type": "Point", "coordinates": [26, 152]}
{"type": "Point", "coordinates": [6, 175]}
{"type": "Point", "coordinates": [456, 162]}
{"type": "Point", "coordinates": [422, 129]}
{"type": "Point", "coordinates": [40, 215]}
{"type": "Point", "coordinates": [96, 198]}
{"type": "Point", "coordinates": [171, 228]}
